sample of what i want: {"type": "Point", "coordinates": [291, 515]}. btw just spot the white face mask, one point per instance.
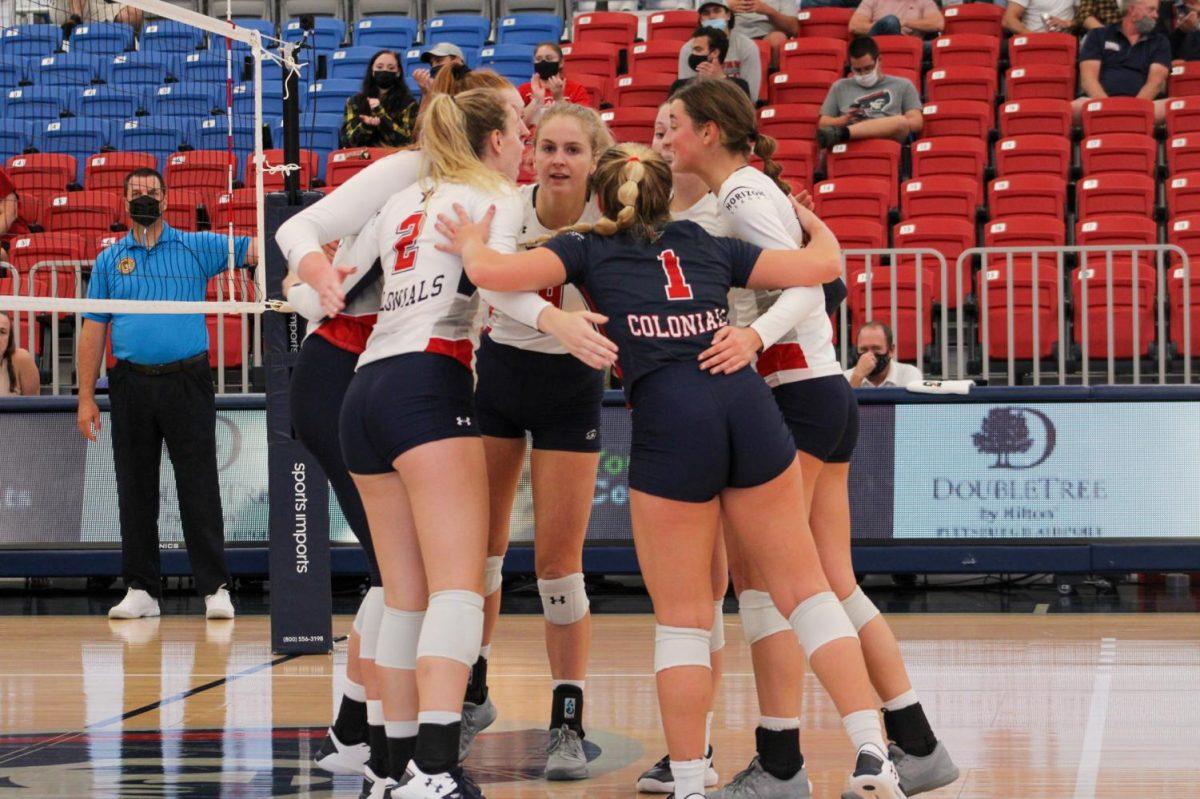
{"type": "Point", "coordinates": [868, 80]}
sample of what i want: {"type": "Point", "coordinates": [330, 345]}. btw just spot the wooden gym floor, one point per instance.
{"type": "Point", "coordinates": [1031, 706]}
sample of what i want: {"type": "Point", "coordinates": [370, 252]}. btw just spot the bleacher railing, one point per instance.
{"type": "Point", "coordinates": [52, 269]}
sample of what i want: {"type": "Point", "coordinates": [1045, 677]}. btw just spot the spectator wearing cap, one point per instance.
{"type": "Point", "coordinates": [11, 223]}
{"type": "Point", "coordinates": [892, 17]}
{"type": "Point", "coordinates": [1126, 59]}
{"type": "Point", "coordinates": [773, 21]}
{"type": "Point", "coordinates": [438, 56]}
{"type": "Point", "coordinates": [869, 104]}
{"type": "Point", "coordinates": [707, 58]}
{"type": "Point", "coordinates": [877, 366]}
{"type": "Point", "coordinates": [548, 84]}
{"type": "Point", "coordinates": [742, 58]}
{"type": "Point", "coordinates": [1039, 16]}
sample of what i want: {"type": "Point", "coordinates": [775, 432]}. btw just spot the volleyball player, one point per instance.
{"type": "Point", "coordinates": [702, 441]}
{"type": "Point", "coordinates": [712, 132]}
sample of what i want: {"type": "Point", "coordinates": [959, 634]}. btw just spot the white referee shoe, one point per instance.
{"type": "Point", "coordinates": [137, 604]}
{"type": "Point", "coordinates": [218, 605]}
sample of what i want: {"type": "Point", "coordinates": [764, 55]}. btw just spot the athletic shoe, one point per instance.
{"type": "Point", "coordinates": [374, 787]}
{"type": "Point", "coordinates": [565, 759]}
{"type": "Point", "coordinates": [137, 604]}
{"type": "Point", "coordinates": [475, 719]}
{"type": "Point", "coordinates": [874, 776]}
{"type": "Point", "coordinates": [658, 778]}
{"type": "Point", "coordinates": [921, 774]}
{"type": "Point", "coordinates": [755, 782]}
{"type": "Point", "coordinates": [218, 605]}
{"type": "Point", "coordinates": [336, 757]}
{"type": "Point", "coordinates": [452, 784]}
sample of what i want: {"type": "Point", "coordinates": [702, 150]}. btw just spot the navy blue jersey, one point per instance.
{"type": "Point", "coordinates": [664, 300]}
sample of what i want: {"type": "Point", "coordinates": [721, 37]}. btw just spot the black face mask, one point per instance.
{"type": "Point", "coordinates": [882, 361]}
{"type": "Point", "coordinates": [694, 61]}
{"type": "Point", "coordinates": [433, 71]}
{"type": "Point", "coordinates": [144, 210]}
{"type": "Point", "coordinates": [546, 69]}
{"type": "Point", "coordinates": [384, 79]}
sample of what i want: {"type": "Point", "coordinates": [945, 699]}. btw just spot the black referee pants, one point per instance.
{"type": "Point", "coordinates": [180, 409]}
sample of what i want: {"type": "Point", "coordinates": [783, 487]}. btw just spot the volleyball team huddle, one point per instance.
{"type": "Point", "coordinates": [711, 287]}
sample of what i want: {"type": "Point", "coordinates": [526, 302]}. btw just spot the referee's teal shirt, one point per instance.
{"type": "Point", "coordinates": [176, 269]}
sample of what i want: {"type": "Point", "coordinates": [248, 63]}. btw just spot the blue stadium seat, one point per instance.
{"type": "Point", "coordinates": [529, 29]}
{"type": "Point", "coordinates": [102, 38]}
{"type": "Point", "coordinates": [318, 132]}
{"type": "Point", "coordinates": [159, 137]}
{"type": "Point", "coordinates": [412, 60]}
{"type": "Point", "coordinates": [68, 69]}
{"type": "Point", "coordinates": [16, 136]}
{"type": "Point", "coordinates": [139, 70]}
{"type": "Point", "coordinates": [212, 134]}
{"type": "Point", "coordinates": [168, 36]}
{"type": "Point", "coordinates": [329, 96]}
{"type": "Point", "coordinates": [14, 71]}
{"type": "Point", "coordinates": [413, 88]}
{"type": "Point", "coordinates": [31, 40]}
{"type": "Point", "coordinates": [272, 100]}
{"type": "Point", "coordinates": [327, 36]}
{"type": "Point", "coordinates": [108, 102]}
{"type": "Point", "coordinates": [185, 100]}
{"type": "Point", "coordinates": [465, 31]}
{"type": "Point", "coordinates": [34, 103]}
{"type": "Point", "coordinates": [208, 67]}
{"type": "Point", "coordinates": [351, 62]}
{"type": "Point", "coordinates": [513, 61]}
{"type": "Point", "coordinates": [386, 33]}
{"type": "Point", "coordinates": [78, 137]}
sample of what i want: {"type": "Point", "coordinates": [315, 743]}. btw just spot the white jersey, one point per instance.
{"type": "Point", "coordinates": [509, 331]}
{"type": "Point", "coordinates": [796, 332]}
{"type": "Point", "coordinates": [359, 250]}
{"type": "Point", "coordinates": [428, 304]}
{"type": "Point", "coordinates": [707, 214]}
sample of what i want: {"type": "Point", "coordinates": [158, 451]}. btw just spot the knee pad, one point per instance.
{"type": "Point", "coordinates": [372, 615]}
{"type": "Point", "coordinates": [819, 620]}
{"type": "Point", "coordinates": [492, 577]}
{"type": "Point", "coordinates": [716, 637]}
{"type": "Point", "coordinates": [859, 608]}
{"type": "Point", "coordinates": [565, 600]}
{"type": "Point", "coordinates": [760, 618]}
{"type": "Point", "coordinates": [453, 627]}
{"type": "Point", "coordinates": [399, 633]}
{"type": "Point", "coordinates": [680, 646]}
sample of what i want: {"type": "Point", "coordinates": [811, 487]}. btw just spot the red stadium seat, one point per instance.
{"type": "Point", "coordinates": [1024, 231]}
{"type": "Point", "coordinates": [273, 181]}
{"type": "Point", "coordinates": [44, 172]}
{"type": "Point", "coordinates": [810, 87]}
{"type": "Point", "coordinates": [1183, 194]}
{"type": "Point", "coordinates": [1115, 231]}
{"type": "Point", "coordinates": [994, 299]}
{"type": "Point", "coordinates": [33, 205]}
{"type": "Point", "coordinates": [939, 196]}
{"type": "Point", "coordinates": [106, 240]}
{"type": "Point", "coordinates": [957, 118]}
{"type": "Point", "coordinates": [1183, 116]}
{"type": "Point", "coordinates": [981, 18]}
{"type": "Point", "coordinates": [950, 155]}
{"type": "Point", "coordinates": [1034, 154]}
{"type": "Point", "coordinates": [1029, 195]}
{"type": "Point", "coordinates": [643, 91]}
{"type": "Point", "coordinates": [1185, 233]}
{"type": "Point", "coordinates": [206, 171]}
{"type": "Point", "coordinates": [671, 25]}
{"type": "Point", "coordinates": [1045, 81]}
{"type": "Point", "coordinates": [1118, 115]}
{"type": "Point", "coordinates": [1184, 80]}
{"type": "Point", "coordinates": [232, 325]}
{"type": "Point", "coordinates": [797, 157]}
{"type": "Point", "coordinates": [830, 22]}
{"type": "Point", "coordinates": [240, 208]}
{"type": "Point", "coordinates": [814, 52]}
{"type": "Point", "coordinates": [660, 55]}
{"type": "Point", "coordinates": [764, 67]}
{"type": "Point", "coordinates": [858, 234]}
{"type": "Point", "coordinates": [591, 58]}
{"type": "Point", "coordinates": [861, 198]}
{"type": "Point", "coordinates": [949, 236]}
{"type": "Point", "coordinates": [871, 300]}
{"type": "Point", "coordinates": [29, 250]}
{"type": "Point", "coordinates": [789, 121]}
{"type": "Point", "coordinates": [900, 52]}
{"type": "Point", "coordinates": [1115, 193]}
{"type": "Point", "coordinates": [183, 206]}
{"type": "Point", "coordinates": [1090, 280]}
{"type": "Point", "coordinates": [1042, 48]}
{"type": "Point", "coordinates": [1048, 117]}
{"type": "Point", "coordinates": [344, 164]}
{"type": "Point", "coordinates": [92, 212]}
{"type": "Point", "coordinates": [598, 87]}
{"type": "Point", "coordinates": [107, 171]}
{"type": "Point", "coordinates": [867, 158]}
{"type": "Point", "coordinates": [1183, 154]}
{"type": "Point", "coordinates": [966, 50]}
{"type": "Point", "coordinates": [1119, 152]}
{"type": "Point", "coordinates": [630, 124]}
{"type": "Point", "coordinates": [615, 27]}
{"type": "Point", "coordinates": [961, 83]}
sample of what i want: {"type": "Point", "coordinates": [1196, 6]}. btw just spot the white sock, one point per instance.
{"type": "Point", "coordinates": [708, 720]}
{"type": "Point", "coordinates": [354, 691]}
{"type": "Point", "coordinates": [442, 717]}
{"type": "Point", "coordinates": [401, 729]}
{"type": "Point", "coordinates": [863, 728]}
{"type": "Point", "coordinates": [689, 777]}
{"type": "Point", "coordinates": [485, 651]}
{"type": "Point", "coordinates": [577, 683]}
{"type": "Point", "coordinates": [375, 712]}
{"type": "Point", "coordinates": [906, 699]}
{"type": "Point", "coordinates": [778, 723]}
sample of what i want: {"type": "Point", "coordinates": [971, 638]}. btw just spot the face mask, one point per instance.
{"type": "Point", "coordinates": [144, 210]}
{"type": "Point", "coordinates": [384, 79]}
{"type": "Point", "coordinates": [720, 23]}
{"type": "Point", "coordinates": [433, 71]}
{"type": "Point", "coordinates": [694, 61]}
{"type": "Point", "coordinates": [882, 361]}
{"type": "Point", "coordinates": [546, 69]}
{"type": "Point", "coordinates": [868, 80]}
{"type": "Point", "coordinates": [1145, 25]}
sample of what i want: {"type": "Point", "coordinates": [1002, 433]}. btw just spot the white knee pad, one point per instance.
{"type": "Point", "coordinates": [492, 577]}
{"type": "Point", "coordinates": [453, 627]}
{"type": "Point", "coordinates": [398, 636]}
{"type": "Point", "coordinates": [372, 615]}
{"type": "Point", "coordinates": [716, 636]}
{"type": "Point", "coordinates": [565, 600]}
{"type": "Point", "coordinates": [760, 618]}
{"type": "Point", "coordinates": [680, 646]}
{"type": "Point", "coordinates": [859, 608]}
{"type": "Point", "coordinates": [819, 620]}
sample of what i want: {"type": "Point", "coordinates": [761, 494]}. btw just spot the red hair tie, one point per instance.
{"type": "Point", "coordinates": [633, 159]}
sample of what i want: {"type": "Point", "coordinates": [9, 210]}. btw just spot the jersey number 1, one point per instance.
{"type": "Point", "coordinates": [406, 245]}
{"type": "Point", "coordinates": [677, 286]}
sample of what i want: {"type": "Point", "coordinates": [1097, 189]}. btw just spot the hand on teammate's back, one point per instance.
{"type": "Point", "coordinates": [462, 231]}
{"type": "Point", "coordinates": [733, 348]}
{"type": "Point", "coordinates": [576, 331]}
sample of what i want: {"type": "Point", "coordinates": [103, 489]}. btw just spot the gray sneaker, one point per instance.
{"type": "Point", "coordinates": [565, 759]}
{"type": "Point", "coordinates": [476, 719]}
{"type": "Point", "coordinates": [754, 782]}
{"type": "Point", "coordinates": [921, 774]}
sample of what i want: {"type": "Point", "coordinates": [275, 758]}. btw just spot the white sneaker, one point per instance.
{"type": "Point", "coordinates": [874, 776]}
{"type": "Point", "coordinates": [218, 605]}
{"type": "Point", "coordinates": [137, 604]}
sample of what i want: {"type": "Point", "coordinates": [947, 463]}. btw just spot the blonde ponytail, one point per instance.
{"type": "Point", "coordinates": [454, 135]}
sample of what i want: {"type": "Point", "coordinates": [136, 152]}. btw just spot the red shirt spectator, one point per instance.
{"type": "Point", "coordinates": [548, 85]}
{"type": "Point", "coordinates": [11, 223]}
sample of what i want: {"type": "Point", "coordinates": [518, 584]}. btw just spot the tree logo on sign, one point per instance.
{"type": "Point", "coordinates": [1005, 433]}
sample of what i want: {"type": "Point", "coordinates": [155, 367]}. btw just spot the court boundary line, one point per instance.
{"type": "Point", "coordinates": [1093, 735]}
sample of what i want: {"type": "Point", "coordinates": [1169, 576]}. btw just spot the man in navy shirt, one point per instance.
{"type": "Point", "coordinates": [1128, 59]}
{"type": "Point", "coordinates": [160, 390]}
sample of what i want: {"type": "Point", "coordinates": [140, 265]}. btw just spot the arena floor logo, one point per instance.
{"type": "Point", "coordinates": [243, 763]}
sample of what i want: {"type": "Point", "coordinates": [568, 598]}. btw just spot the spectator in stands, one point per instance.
{"type": "Point", "coordinates": [869, 104]}
{"type": "Point", "coordinates": [891, 17]}
{"type": "Point", "coordinates": [1039, 16]}
{"type": "Point", "coordinates": [1092, 14]}
{"type": "Point", "coordinates": [773, 21]}
{"type": "Point", "coordinates": [81, 11]}
{"type": "Point", "coordinates": [1126, 59]}
{"type": "Point", "coordinates": [877, 365]}
{"type": "Point", "coordinates": [548, 84]}
{"type": "Point", "coordinates": [18, 372]}
{"type": "Point", "coordinates": [436, 57]}
{"type": "Point", "coordinates": [384, 113]}
{"type": "Point", "coordinates": [742, 59]}
{"type": "Point", "coordinates": [160, 390]}
{"type": "Point", "coordinates": [11, 223]}
{"type": "Point", "coordinates": [707, 60]}
{"type": "Point", "coordinates": [1185, 36]}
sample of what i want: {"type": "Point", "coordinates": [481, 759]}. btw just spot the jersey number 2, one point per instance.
{"type": "Point", "coordinates": [406, 245]}
{"type": "Point", "coordinates": [677, 286]}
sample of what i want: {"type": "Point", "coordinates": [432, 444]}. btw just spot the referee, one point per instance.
{"type": "Point", "coordinates": [160, 390]}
